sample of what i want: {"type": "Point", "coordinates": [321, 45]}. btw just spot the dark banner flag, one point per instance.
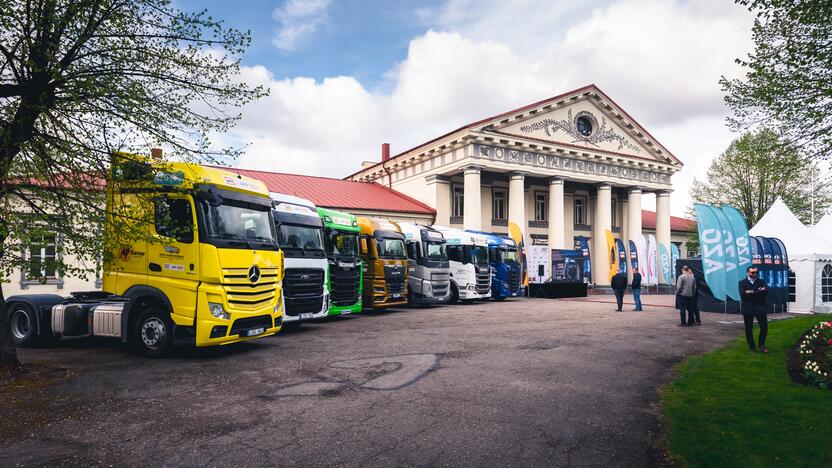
{"type": "Point", "coordinates": [784, 256]}
{"type": "Point", "coordinates": [633, 255]}
{"type": "Point", "coordinates": [582, 245]}
{"type": "Point", "coordinates": [622, 256]}
{"type": "Point", "coordinates": [768, 265]}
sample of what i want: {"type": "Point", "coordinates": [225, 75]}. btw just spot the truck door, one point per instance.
{"type": "Point", "coordinates": [173, 260]}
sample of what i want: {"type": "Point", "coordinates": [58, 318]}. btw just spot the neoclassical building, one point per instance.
{"type": "Point", "coordinates": [572, 165]}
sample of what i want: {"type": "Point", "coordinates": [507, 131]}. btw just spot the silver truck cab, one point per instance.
{"type": "Point", "coordinates": [430, 274]}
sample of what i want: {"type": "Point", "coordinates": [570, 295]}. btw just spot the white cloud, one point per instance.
{"type": "Point", "coordinates": [298, 19]}
{"type": "Point", "coordinates": [660, 60]}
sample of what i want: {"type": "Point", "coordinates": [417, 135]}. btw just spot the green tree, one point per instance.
{"type": "Point", "coordinates": [82, 79]}
{"type": "Point", "coordinates": [788, 78]}
{"type": "Point", "coordinates": [755, 170]}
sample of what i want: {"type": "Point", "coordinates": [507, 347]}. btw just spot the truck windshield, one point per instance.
{"type": "Point", "coordinates": [339, 243]}
{"type": "Point", "coordinates": [510, 256]}
{"type": "Point", "coordinates": [390, 248]}
{"type": "Point", "coordinates": [299, 238]}
{"type": "Point", "coordinates": [435, 251]}
{"type": "Point", "coordinates": [479, 255]}
{"type": "Point", "coordinates": [231, 225]}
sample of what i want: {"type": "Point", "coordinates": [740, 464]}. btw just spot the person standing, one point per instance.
{"type": "Point", "coordinates": [753, 304]}
{"type": "Point", "coordinates": [636, 287]}
{"type": "Point", "coordinates": [685, 289]}
{"type": "Point", "coordinates": [619, 286]}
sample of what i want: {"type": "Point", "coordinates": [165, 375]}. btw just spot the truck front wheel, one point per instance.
{"type": "Point", "coordinates": [153, 333]}
{"type": "Point", "coordinates": [23, 324]}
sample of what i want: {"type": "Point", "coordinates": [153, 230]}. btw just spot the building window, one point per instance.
{"type": "Point", "coordinates": [458, 208]}
{"type": "Point", "coordinates": [580, 210]}
{"type": "Point", "coordinates": [498, 197]}
{"type": "Point", "coordinates": [540, 208]}
{"type": "Point", "coordinates": [614, 212]}
{"type": "Point", "coordinates": [42, 257]}
{"type": "Point", "coordinates": [826, 284]}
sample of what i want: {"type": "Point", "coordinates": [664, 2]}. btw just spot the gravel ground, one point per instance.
{"type": "Point", "coordinates": [523, 382]}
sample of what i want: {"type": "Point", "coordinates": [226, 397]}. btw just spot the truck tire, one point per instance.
{"type": "Point", "coordinates": [289, 327]}
{"type": "Point", "coordinates": [23, 324]}
{"type": "Point", "coordinates": [499, 298]}
{"type": "Point", "coordinates": [454, 294]}
{"type": "Point", "coordinates": [152, 334]}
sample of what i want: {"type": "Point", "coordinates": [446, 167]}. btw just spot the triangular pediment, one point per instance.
{"type": "Point", "coordinates": [586, 118]}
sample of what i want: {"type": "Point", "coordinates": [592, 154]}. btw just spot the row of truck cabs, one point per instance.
{"type": "Point", "coordinates": [221, 259]}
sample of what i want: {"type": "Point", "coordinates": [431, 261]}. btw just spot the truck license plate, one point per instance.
{"type": "Point", "coordinates": [395, 295]}
{"type": "Point", "coordinates": [255, 331]}
{"type": "Point", "coordinates": [306, 316]}
{"type": "Point", "coordinates": [346, 312]}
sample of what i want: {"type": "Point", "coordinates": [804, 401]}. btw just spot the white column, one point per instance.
{"type": "Point", "coordinates": [440, 197]}
{"type": "Point", "coordinates": [663, 226]}
{"type": "Point", "coordinates": [517, 200]}
{"type": "Point", "coordinates": [556, 218]}
{"type": "Point", "coordinates": [472, 209]}
{"type": "Point", "coordinates": [634, 215]}
{"type": "Point", "coordinates": [600, 223]}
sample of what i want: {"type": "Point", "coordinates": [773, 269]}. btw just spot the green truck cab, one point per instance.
{"type": "Point", "coordinates": [345, 278]}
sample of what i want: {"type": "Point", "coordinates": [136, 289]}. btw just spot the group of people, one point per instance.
{"type": "Point", "coordinates": [753, 304]}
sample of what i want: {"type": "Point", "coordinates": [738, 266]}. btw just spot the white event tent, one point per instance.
{"type": "Point", "coordinates": [809, 253]}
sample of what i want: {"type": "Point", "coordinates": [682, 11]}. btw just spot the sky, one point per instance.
{"type": "Point", "coordinates": [347, 75]}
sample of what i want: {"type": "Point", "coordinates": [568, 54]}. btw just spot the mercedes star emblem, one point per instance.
{"type": "Point", "coordinates": [253, 273]}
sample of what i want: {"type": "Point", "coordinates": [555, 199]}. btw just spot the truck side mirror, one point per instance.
{"type": "Point", "coordinates": [362, 243]}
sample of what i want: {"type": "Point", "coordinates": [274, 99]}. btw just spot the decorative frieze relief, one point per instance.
{"type": "Point", "coordinates": [590, 132]}
{"type": "Point", "coordinates": [528, 158]}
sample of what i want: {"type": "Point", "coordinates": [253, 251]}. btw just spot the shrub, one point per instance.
{"type": "Point", "coordinates": [815, 355]}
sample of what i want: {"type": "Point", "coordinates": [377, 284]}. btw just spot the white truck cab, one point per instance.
{"type": "Point", "coordinates": [428, 281]}
{"type": "Point", "coordinates": [468, 261]}
{"type": "Point", "coordinates": [299, 232]}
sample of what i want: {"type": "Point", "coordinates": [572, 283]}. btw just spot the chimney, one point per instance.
{"type": "Point", "coordinates": [385, 152]}
{"type": "Point", "coordinates": [156, 153]}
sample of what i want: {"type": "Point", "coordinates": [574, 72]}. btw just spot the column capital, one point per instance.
{"type": "Point", "coordinates": [604, 186]}
{"type": "Point", "coordinates": [472, 169]}
{"type": "Point", "coordinates": [514, 175]}
{"type": "Point", "coordinates": [557, 180]}
{"type": "Point", "coordinates": [663, 193]}
{"type": "Point", "coordinates": [636, 189]}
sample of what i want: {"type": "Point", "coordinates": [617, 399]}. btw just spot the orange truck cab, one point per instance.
{"type": "Point", "coordinates": [384, 261]}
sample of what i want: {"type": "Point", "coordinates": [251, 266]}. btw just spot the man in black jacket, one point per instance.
{"type": "Point", "coordinates": [619, 285]}
{"type": "Point", "coordinates": [753, 292]}
{"type": "Point", "coordinates": [636, 286]}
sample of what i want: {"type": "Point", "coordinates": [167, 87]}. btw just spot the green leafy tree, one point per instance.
{"type": "Point", "coordinates": [788, 78]}
{"type": "Point", "coordinates": [755, 170]}
{"type": "Point", "coordinates": [81, 80]}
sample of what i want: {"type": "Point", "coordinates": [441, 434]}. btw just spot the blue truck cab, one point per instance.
{"type": "Point", "coordinates": [505, 267]}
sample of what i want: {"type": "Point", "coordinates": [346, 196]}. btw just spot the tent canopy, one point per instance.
{"type": "Point", "coordinates": [780, 222]}
{"type": "Point", "coordinates": [823, 227]}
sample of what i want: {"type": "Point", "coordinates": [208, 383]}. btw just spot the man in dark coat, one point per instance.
{"type": "Point", "coordinates": [619, 285]}
{"type": "Point", "coordinates": [753, 292]}
{"type": "Point", "coordinates": [636, 286]}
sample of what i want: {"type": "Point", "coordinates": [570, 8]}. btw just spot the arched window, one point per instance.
{"type": "Point", "coordinates": [826, 284]}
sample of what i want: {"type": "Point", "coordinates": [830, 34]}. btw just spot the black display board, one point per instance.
{"type": "Point", "coordinates": [557, 290]}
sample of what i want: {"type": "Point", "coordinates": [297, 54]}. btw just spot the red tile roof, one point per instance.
{"type": "Point", "coordinates": [339, 194]}
{"type": "Point", "coordinates": [648, 221]}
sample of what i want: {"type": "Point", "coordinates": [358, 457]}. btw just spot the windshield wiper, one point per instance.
{"type": "Point", "coordinates": [239, 238]}
{"type": "Point", "coordinates": [269, 240]}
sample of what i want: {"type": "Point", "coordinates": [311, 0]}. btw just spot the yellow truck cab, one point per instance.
{"type": "Point", "coordinates": [210, 273]}
{"type": "Point", "coordinates": [384, 261]}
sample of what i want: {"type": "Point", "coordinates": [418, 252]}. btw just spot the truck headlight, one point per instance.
{"type": "Point", "coordinates": [472, 287]}
{"type": "Point", "coordinates": [279, 305]}
{"type": "Point", "coordinates": [427, 289]}
{"type": "Point", "coordinates": [218, 311]}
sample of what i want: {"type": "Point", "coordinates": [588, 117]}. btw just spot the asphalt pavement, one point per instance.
{"type": "Point", "coordinates": [529, 382]}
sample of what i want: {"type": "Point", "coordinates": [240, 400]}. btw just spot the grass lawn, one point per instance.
{"type": "Point", "coordinates": [732, 407]}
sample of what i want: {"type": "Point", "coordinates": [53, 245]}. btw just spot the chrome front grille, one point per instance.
{"type": "Point", "coordinates": [394, 275]}
{"type": "Point", "coordinates": [245, 295]}
{"type": "Point", "coordinates": [303, 289]}
{"type": "Point", "coordinates": [483, 279]}
{"type": "Point", "coordinates": [344, 282]}
{"type": "Point", "coordinates": [441, 283]}
{"type": "Point", "coordinates": [514, 279]}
